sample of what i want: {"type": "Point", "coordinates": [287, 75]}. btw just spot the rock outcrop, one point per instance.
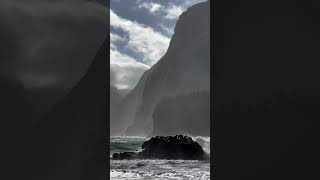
{"type": "Point", "coordinates": [169, 147]}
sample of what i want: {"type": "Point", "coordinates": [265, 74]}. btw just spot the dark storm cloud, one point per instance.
{"type": "Point", "coordinates": [50, 42]}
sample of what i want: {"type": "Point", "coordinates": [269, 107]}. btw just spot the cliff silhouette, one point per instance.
{"type": "Point", "coordinates": [70, 142]}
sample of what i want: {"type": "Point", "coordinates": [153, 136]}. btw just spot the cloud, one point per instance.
{"type": "Point", "coordinates": [170, 10]}
{"type": "Point", "coordinates": [114, 39]}
{"type": "Point", "coordinates": [125, 76]}
{"type": "Point", "coordinates": [125, 71]}
{"type": "Point", "coordinates": [142, 40]}
{"type": "Point", "coordinates": [167, 11]}
{"type": "Point", "coordinates": [189, 3]}
{"type": "Point", "coordinates": [151, 7]}
{"type": "Point", "coordinates": [167, 29]}
{"type": "Point", "coordinates": [50, 42]}
{"type": "Point", "coordinates": [139, 46]}
{"type": "Point", "coordinates": [173, 12]}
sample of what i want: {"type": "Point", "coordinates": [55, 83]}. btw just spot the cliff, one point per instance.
{"type": "Point", "coordinates": [70, 142]}
{"type": "Point", "coordinates": [185, 68]}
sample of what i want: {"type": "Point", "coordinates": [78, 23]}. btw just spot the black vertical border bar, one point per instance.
{"type": "Point", "coordinates": [212, 75]}
{"type": "Point", "coordinates": [107, 109]}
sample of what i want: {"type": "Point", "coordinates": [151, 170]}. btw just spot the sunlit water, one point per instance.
{"type": "Point", "coordinates": [156, 169]}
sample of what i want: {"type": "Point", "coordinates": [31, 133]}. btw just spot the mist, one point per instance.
{"type": "Point", "coordinates": [180, 76]}
{"type": "Point", "coordinates": [47, 46]}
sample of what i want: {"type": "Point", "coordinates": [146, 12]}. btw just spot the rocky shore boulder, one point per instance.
{"type": "Point", "coordinates": [166, 147]}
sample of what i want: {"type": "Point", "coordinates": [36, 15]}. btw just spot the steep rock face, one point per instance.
{"type": "Point", "coordinates": [70, 142]}
{"type": "Point", "coordinates": [115, 99]}
{"type": "Point", "coordinates": [125, 111]}
{"type": "Point", "coordinates": [185, 68]}
{"type": "Point", "coordinates": [15, 115]}
{"type": "Point", "coordinates": [116, 96]}
{"type": "Point", "coordinates": [189, 113]}
{"type": "Point", "coordinates": [42, 99]}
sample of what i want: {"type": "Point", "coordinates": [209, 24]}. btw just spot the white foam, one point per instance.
{"type": "Point", "coordinates": [204, 142]}
{"type": "Point", "coordinates": [159, 169]}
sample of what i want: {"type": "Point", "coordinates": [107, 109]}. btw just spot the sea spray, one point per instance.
{"type": "Point", "coordinates": [156, 169]}
{"type": "Point", "coordinates": [204, 142]}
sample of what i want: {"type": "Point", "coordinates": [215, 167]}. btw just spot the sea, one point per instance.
{"type": "Point", "coordinates": [146, 169]}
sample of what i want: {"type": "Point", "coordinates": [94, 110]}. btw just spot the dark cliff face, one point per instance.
{"type": "Point", "coordinates": [14, 111]}
{"type": "Point", "coordinates": [185, 68]}
{"type": "Point", "coordinates": [70, 142]}
{"type": "Point", "coordinates": [18, 114]}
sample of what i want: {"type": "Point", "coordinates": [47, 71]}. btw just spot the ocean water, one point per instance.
{"type": "Point", "coordinates": [156, 169]}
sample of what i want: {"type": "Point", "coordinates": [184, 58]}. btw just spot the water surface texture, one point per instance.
{"type": "Point", "coordinates": [156, 169]}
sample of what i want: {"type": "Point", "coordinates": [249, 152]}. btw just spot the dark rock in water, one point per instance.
{"type": "Point", "coordinates": [166, 147]}
{"type": "Point", "coordinates": [124, 155]}
{"type": "Point", "coordinates": [140, 165]}
{"type": "Point", "coordinates": [172, 147]}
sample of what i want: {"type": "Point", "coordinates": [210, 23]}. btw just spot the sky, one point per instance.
{"type": "Point", "coordinates": [140, 34]}
{"type": "Point", "coordinates": [50, 43]}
